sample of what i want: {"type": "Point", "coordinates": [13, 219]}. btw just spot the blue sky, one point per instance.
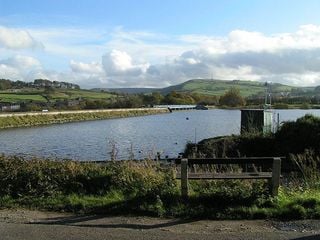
{"type": "Point", "coordinates": [166, 16]}
{"type": "Point", "coordinates": [157, 43]}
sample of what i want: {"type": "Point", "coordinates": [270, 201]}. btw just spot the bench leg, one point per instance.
{"type": "Point", "coordinates": [276, 172]}
{"type": "Point", "coordinates": [184, 178]}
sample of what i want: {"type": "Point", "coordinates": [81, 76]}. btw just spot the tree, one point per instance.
{"type": "Point", "coordinates": [232, 98]}
{"type": "Point", "coordinates": [178, 98]}
{"type": "Point", "coordinates": [5, 84]}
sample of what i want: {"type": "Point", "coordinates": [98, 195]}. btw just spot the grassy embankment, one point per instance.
{"type": "Point", "coordinates": [145, 188]}
{"type": "Point", "coordinates": [50, 118]}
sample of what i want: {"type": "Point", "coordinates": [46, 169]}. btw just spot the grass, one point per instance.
{"type": "Point", "coordinates": [144, 188]}
{"type": "Point", "coordinates": [13, 97]}
{"type": "Point", "coordinates": [219, 87]}
{"type": "Point", "coordinates": [45, 119]}
{"type": "Point", "coordinates": [86, 94]}
{"type": "Point", "coordinates": [33, 94]}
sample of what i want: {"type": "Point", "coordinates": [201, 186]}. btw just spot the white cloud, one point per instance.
{"type": "Point", "coordinates": [9, 72]}
{"type": "Point", "coordinates": [22, 62]}
{"type": "Point", "coordinates": [120, 63]}
{"type": "Point", "coordinates": [18, 67]}
{"type": "Point", "coordinates": [306, 37]}
{"type": "Point", "coordinates": [93, 58]}
{"type": "Point", "coordinates": [12, 38]}
{"type": "Point", "coordinates": [89, 68]}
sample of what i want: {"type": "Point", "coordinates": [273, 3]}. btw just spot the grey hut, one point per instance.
{"type": "Point", "coordinates": [256, 120]}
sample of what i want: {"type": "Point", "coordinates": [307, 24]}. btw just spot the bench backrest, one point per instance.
{"type": "Point", "coordinates": [273, 163]}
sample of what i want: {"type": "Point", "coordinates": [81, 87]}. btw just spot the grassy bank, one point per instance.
{"type": "Point", "coordinates": [145, 188]}
{"type": "Point", "coordinates": [27, 120]}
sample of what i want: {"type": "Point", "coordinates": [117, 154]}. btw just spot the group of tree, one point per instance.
{"type": "Point", "coordinates": [232, 98]}
{"type": "Point", "coordinates": [6, 84]}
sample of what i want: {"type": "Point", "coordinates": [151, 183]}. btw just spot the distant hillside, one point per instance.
{"type": "Point", "coordinates": [128, 90]}
{"type": "Point", "coordinates": [6, 84]}
{"type": "Point", "coordinates": [219, 87]}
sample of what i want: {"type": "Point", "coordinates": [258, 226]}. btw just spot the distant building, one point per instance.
{"type": "Point", "coordinates": [73, 103]}
{"type": "Point", "coordinates": [54, 84]}
{"type": "Point", "coordinates": [9, 107]}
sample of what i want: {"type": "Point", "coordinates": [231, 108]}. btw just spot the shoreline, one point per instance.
{"type": "Point", "coordinates": [29, 119]}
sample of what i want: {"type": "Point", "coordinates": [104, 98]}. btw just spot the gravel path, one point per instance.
{"type": "Point", "coordinates": [30, 225]}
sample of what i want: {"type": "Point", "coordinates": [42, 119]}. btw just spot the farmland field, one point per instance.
{"type": "Point", "coordinates": [14, 97]}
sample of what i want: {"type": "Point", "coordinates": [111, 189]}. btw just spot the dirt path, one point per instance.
{"type": "Point", "coordinates": [30, 225]}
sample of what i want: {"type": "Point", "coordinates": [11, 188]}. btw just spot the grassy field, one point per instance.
{"type": "Point", "coordinates": [14, 97]}
{"type": "Point", "coordinates": [86, 94]}
{"type": "Point", "coordinates": [33, 94]}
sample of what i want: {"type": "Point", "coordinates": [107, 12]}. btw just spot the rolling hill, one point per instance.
{"type": "Point", "coordinates": [219, 87]}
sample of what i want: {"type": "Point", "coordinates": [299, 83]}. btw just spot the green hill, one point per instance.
{"type": "Point", "coordinates": [219, 87]}
{"type": "Point", "coordinates": [21, 91]}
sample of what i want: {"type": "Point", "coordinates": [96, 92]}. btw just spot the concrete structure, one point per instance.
{"type": "Point", "coordinates": [256, 120]}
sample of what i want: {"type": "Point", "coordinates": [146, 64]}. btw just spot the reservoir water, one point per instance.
{"type": "Point", "coordinates": [139, 136]}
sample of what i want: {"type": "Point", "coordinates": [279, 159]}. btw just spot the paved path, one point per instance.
{"type": "Point", "coordinates": [35, 225]}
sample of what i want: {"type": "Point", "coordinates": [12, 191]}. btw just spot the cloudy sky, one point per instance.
{"type": "Point", "coordinates": [157, 43]}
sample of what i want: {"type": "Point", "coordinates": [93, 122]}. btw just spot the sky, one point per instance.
{"type": "Point", "coordinates": [158, 43]}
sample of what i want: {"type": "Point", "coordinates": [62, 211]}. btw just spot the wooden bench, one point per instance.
{"type": "Point", "coordinates": [273, 163]}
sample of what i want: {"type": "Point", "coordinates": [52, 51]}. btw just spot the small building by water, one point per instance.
{"type": "Point", "coordinates": [256, 120]}
{"type": "Point", "coordinates": [9, 107]}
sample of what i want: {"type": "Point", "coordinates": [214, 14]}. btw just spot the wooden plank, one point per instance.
{"type": "Point", "coordinates": [260, 175]}
{"type": "Point", "coordinates": [247, 160]}
{"type": "Point", "coordinates": [184, 178]}
{"type": "Point", "coordinates": [276, 172]}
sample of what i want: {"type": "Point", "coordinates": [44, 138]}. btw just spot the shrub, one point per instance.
{"type": "Point", "coordinates": [232, 98]}
{"type": "Point", "coordinates": [41, 178]}
{"type": "Point", "coordinates": [142, 178]}
{"type": "Point", "coordinates": [20, 177]}
{"type": "Point", "coordinates": [295, 137]}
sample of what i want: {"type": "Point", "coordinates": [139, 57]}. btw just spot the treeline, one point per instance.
{"type": "Point", "coordinates": [121, 101]}
{"type": "Point", "coordinates": [149, 100]}
{"type": "Point", "coordinates": [315, 99]}
{"type": "Point", "coordinates": [231, 98]}
{"type": "Point", "coordinates": [6, 84]}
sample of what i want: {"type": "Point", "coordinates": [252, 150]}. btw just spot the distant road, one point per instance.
{"type": "Point", "coordinates": [79, 111]}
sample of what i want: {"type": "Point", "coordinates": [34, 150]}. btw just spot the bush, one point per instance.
{"type": "Point", "coordinates": [292, 138]}
{"type": "Point", "coordinates": [20, 177]}
{"type": "Point", "coordinates": [295, 137]}
{"type": "Point", "coordinates": [143, 178]}
{"type": "Point", "coordinates": [232, 98]}
{"type": "Point", "coordinates": [42, 178]}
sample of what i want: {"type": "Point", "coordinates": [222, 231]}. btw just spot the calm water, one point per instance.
{"type": "Point", "coordinates": [142, 136]}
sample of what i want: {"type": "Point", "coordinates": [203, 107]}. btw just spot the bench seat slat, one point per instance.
{"type": "Point", "coordinates": [247, 160]}
{"type": "Point", "coordinates": [260, 175]}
